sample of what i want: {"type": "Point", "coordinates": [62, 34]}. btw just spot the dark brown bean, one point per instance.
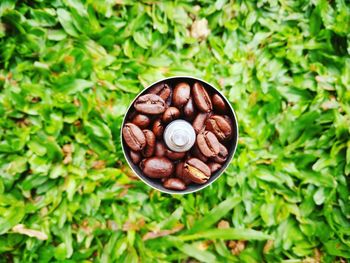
{"type": "Point", "coordinates": [180, 173]}
{"type": "Point", "coordinates": [197, 153]}
{"type": "Point", "coordinates": [201, 98]}
{"type": "Point", "coordinates": [135, 157]}
{"type": "Point", "coordinates": [197, 171]}
{"type": "Point", "coordinates": [222, 155]}
{"type": "Point", "coordinates": [229, 120]}
{"type": "Point", "coordinates": [160, 149]}
{"type": "Point", "coordinates": [219, 103]}
{"type": "Point", "coordinates": [181, 94]}
{"type": "Point", "coordinates": [141, 120]}
{"type": "Point", "coordinates": [220, 127]}
{"type": "Point", "coordinates": [162, 90]}
{"type": "Point", "coordinates": [208, 144]}
{"type": "Point", "coordinates": [150, 104]}
{"type": "Point", "coordinates": [150, 143]}
{"type": "Point", "coordinates": [170, 114]}
{"type": "Point", "coordinates": [179, 169]}
{"type": "Point", "coordinates": [174, 184]}
{"type": "Point", "coordinates": [158, 128]}
{"type": "Point", "coordinates": [214, 167]}
{"type": "Point", "coordinates": [157, 167]}
{"type": "Point", "coordinates": [199, 121]}
{"type": "Point", "coordinates": [132, 114]}
{"type": "Point", "coordinates": [189, 110]}
{"type": "Point", "coordinates": [134, 137]}
{"type": "Point", "coordinates": [174, 155]}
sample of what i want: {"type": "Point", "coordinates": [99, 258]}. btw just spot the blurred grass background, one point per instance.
{"type": "Point", "coordinates": [70, 68]}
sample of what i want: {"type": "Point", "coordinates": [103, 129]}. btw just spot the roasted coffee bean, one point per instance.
{"type": "Point", "coordinates": [150, 104]}
{"type": "Point", "coordinates": [197, 153]}
{"type": "Point", "coordinates": [141, 120]}
{"type": "Point", "coordinates": [174, 184]}
{"type": "Point", "coordinates": [180, 173]}
{"type": "Point", "coordinates": [160, 149]}
{"type": "Point", "coordinates": [157, 167]}
{"type": "Point", "coordinates": [181, 94]}
{"type": "Point", "coordinates": [197, 171]}
{"type": "Point", "coordinates": [158, 128]}
{"type": "Point", "coordinates": [162, 90]}
{"type": "Point", "coordinates": [199, 121]}
{"type": "Point", "coordinates": [170, 114]}
{"type": "Point", "coordinates": [214, 167]}
{"type": "Point", "coordinates": [134, 137]}
{"type": "Point", "coordinates": [174, 155]}
{"type": "Point", "coordinates": [208, 144]}
{"type": "Point", "coordinates": [220, 127]}
{"type": "Point", "coordinates": [135, 157]}
{"type": "Point", "coordinates": [222, 155]}
{"type": "Point", "coordinates": [229, 120]}
{"type": "Point", "coordinates": [179, 169]}
{"type": "Point", "coordinates": [189, 110]}
{"type": "Point", "coordinates": [150, 143]}
{"type": "Point", "coordinates": [201, 98]}
{"type": "Point", "coordinates": [219, 103]}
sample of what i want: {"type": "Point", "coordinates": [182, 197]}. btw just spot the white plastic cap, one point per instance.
{"type": "Point", "coordinates": [179, 136]}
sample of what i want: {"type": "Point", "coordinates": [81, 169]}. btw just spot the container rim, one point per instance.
{"type": "Point", "coordinates": [223, 168]}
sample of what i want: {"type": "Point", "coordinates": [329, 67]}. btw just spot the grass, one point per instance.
{"type": "Point", "coordinates": [68, 71]}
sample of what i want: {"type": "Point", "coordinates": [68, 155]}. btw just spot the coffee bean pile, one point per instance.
{"type": "Point", "coordinates": [205, 110]}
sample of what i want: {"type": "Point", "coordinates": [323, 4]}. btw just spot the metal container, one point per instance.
{"type": "Point", "coordinates": [180, 136]}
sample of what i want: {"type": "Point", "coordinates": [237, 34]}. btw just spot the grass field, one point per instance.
{"type": "Point", "coordinates": [68, 71]}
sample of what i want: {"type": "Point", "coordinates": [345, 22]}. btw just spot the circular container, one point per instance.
{"type": "Point", "coordinates": [156, 184]}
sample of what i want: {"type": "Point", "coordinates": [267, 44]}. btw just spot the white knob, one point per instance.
{"type": "Point", "coordinates": [179, 136]}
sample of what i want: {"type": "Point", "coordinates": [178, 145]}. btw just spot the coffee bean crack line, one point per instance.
{"type": "Point", "coordinates": [207, 99]}
{"type": "Point", "coordinates": [218, 130]}
{"type": "Point", "coordinates": [209, 145]}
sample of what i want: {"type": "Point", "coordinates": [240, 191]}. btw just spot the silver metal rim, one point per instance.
{"type": "Point", "coordinates": [200, 187]}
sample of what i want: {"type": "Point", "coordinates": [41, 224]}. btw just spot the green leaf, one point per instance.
{"type": "Point", "coordinates": [202, 256]}
{"type": "Point", "coordinates": [107, 253]}
{"type": "Point", "coordinates": [66, 20]}
{"type": "Point", "coordinates": [43, 18]}
{"type": "Point", "coordinates": [60, 252]}
{"type": "Point", "coordinates": [6, 5]}
{"type": "Point", "coordinates": [337, 248]}
{"type": "Point", "coordinates": [140, 38]}
{"type": "Point", "coordinates": [227, 234]}
{"type": "Point", "coordinates": [12, 211]}
{"type": "Point", "coordinates": [215, 214]}
{"type": "Point", "coordinates": [319, 196]}
{"type": "Point", "coordinates": [72, 86]}
{"type": "Point", "coordinates": [37, 148]}
{"type": "Point", "coordinates": [17, 166]}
